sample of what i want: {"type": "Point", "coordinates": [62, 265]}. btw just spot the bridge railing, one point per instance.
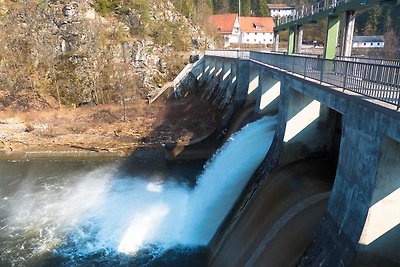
{"type": "Point", "coordinates": [306, 11]}
{"type": "Point", "coordinates": [381, 82]}
{"type": "Point", "coordinates": [376, 61]}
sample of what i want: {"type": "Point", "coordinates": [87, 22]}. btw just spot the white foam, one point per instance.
{"type": "Point", "coordinates": [100, 212]}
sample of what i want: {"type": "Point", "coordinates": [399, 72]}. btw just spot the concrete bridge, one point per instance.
{"type": "Point", "coordinates": [343, 109]}
{"type": "Point", "coordinates": [339, 13]}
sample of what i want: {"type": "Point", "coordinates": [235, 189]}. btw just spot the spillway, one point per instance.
{"type": "Point", "coordinates": [279, 222]}
{"type": "Point", "coordinates": [65, 214]}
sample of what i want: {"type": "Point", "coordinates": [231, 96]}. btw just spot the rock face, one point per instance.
{"type": "Point", "coordinates": [66, 53]}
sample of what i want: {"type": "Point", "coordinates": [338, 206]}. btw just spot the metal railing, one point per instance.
{"type": "Point", "coordinates": [376, 61]}
{"type": "Point", "coordinates": [377, 81]}
{"type": "Point", "coordinates": [306, 11]}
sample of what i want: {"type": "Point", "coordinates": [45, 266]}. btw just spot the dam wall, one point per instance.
{"type": "Point", "coordinates": [361, 137]}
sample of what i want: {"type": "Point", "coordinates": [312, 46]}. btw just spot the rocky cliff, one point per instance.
{"type": "Point", "coordinates": [72, 52]}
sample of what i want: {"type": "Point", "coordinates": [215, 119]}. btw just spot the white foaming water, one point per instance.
{"type": "Point", "coordinates": [100, 212]}
{"type": "Point", "coordinates": [224, 178]}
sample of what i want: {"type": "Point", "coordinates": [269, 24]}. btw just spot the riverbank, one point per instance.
{"type": "Point", "coordinates": [105, 130]}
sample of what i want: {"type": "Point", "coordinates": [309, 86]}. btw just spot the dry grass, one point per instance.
{"type": "Point", "coordinates": [103, 127]}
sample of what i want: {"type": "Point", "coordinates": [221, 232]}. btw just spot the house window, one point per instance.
{"type": "Point", "coordinates": [379, 43]}
{"type": "Point", "coordinates": [255, 40]}
{"type": "Point", "coordinates": [247, 40]}
{"type": "Point", "coordinates": [372, 43]}
{"type": "Point", "coordinates": [255, 33]}
{"type": "Point", "coordinates": [365, 44]}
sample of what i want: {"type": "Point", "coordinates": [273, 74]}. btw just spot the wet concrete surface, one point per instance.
{"type": "Point", "coordinates": [281, 219]}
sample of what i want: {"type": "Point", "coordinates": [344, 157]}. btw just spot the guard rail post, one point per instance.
{"type": "Point", "coordinates": [305, 67]}
{"type": "Point", "coordinates": [346, 67]}
{"type": "Point", "coordinates": [321, 77]}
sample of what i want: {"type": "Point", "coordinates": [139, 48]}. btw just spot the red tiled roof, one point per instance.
{"type": "Point", "coordinates": [223, 22]}
{"type": "Point", "coordinates": [249, 24]}
{"type": "Point", "coordinates": [279, 6]}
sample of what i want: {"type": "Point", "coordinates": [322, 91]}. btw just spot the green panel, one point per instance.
{"type": "Point", "coordinates": [332, 37]}
{"type": "Point", "coordinates": [290, 41]}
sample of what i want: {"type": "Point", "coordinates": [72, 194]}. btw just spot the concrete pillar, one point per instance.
{"type": "Point", "coordinates": [348, 31]}
{"type": "Point", "coordinates": [231, 80]}
{"type": "Point", "coordinates": [226, 79]}
{"type": "Point", "coordinates": [381, 231]}
{"type": "Point", "coordinates": [207, 65]}
{"type": "Point", "coordinates": [275, 47]}
{"type": "Point", "coordinates": [218, 69]}
{"type": "Point", "coordinates": [243, 76]}
{"type": "Point", "coordinates": [309, 127]}
{"type": "Point", "coordinates": [226, 69]}
{"type": "Point", "coordinates": [252, 91]}
{"type": "Point", "coordinates": [270, 90]}
{"type": "Point", "coordinates": [290, 41]}
{"type": "Point", "coordinates": [298, 39]}
{"type": "Point", "coordinates": [331, 37]}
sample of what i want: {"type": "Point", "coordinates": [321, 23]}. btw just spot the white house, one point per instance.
{"type": "Point", "coordinates": [369, 41]}
{"type": "Point", "coordinates": [253, 30]}
{"type": "Point", "coordinates": [281, 10]}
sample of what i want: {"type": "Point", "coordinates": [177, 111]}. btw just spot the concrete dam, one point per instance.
{"type": "Point", "coordinates": [327, 192]}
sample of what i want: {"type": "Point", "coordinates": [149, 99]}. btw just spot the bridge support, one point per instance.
{"type": "Point", "coordinates": [331, 37]}
{"type": "Point", "coordinates": [381, 228]}
{"type": "Point", "coordinates": [252, 91]}
{"type": "Point", "coordinates": [270, 90]}
{"type": "Point", "coordinates": [276, 42]}
{"type": "Point", "coordinates": [243, 76]}
{"type": "Point", "coordinates": [291, 39]}
{"type": "Point", "coordinates": [348, 31]}
{"type": "Point", "coordinates": [298, 39]}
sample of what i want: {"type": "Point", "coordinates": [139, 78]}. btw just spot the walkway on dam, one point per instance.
{"type": "Point", "coordinates": [371, 79]}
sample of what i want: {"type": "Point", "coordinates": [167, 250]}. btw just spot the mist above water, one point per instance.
{"type": "Point", "coordinates": [99, 212]}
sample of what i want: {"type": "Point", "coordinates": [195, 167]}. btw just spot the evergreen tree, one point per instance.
{"type": "Point", "coordinates": [395, 18]}
{"type": "Point", "coordinates": [233, 6]}
{"type": "Point", "coordinates": [245, 7]}
{"type": "Point", "coordinates": [371, 26]}
{"type": "Point", "coordinates": [261, 8]}
{"type": "Point", "coordinates": [220, 6]}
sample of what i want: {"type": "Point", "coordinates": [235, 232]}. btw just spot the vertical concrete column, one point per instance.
{"type": "Point", "coordinates": [206, 71]}
{"type": "Point", "coordinates": [218, 68]}
{"type": "Point", "coordinates": [332, 37]}
{"type": "Point", "coordinates": [290, 47]}
{"type": "Point", "coordinates": [275, 47]}
{"type": "Point", "coordinates": [381, 231]}
{"type": "Point", "coordinates": [226, 77]}
{"type": "Point", "coordinates": [231, 80]}
{"type": "Point", "coordinates": [198, 69]}
{"type": "Point", "coordinates": [298, 39]}
{"type": "Point", "coordinates": [211, 69]}
{"type": "Point", "coordinates": [226, 69]}
{"type": "Point", "coordinates": [243, 76]}
{"type": "Point", "coordinates": [270, 90]}
{"type": "Point", "coordinates": [348, 31]}
{"type": "Point", "coordinates": [252, 91]}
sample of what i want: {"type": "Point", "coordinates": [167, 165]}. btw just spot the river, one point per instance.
{"type": "Point", "coordinates": [139, 211]}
